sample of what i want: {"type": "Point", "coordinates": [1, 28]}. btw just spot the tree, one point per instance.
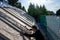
{"type": "Point", "coordinates": [31, 10]}
{"type": "Point", "coordinates": [12, 2]}
{"type": "Point", "coordinates": [43, 10]}
{"type": "Point", "coordinates": [18, 5]}
{"type": "Point", "coordinates": [58, 12]}
{"type": "Point", "coordinates": [36, 11]}
{"type": "Point", "coordinates": [23, 8]}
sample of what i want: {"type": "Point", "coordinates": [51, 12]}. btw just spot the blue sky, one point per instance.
{"type": "Point", "coordinates": [52, 5]}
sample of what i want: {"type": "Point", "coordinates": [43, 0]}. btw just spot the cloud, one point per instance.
{"type": "Point", "coordinates": [40, 2]}
{"type": "Point", "coordinates": [52, 5]}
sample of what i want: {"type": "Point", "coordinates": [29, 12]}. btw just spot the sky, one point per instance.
{"type": "Point", "coordinates": [52, 5]}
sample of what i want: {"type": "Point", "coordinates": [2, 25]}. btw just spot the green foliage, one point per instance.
{"type": "Point", "coordinates": [58, 12]}
{"type": "Point", "coordinates": [18, 5]}
{"type": "Point", "coordinates": [12, 2]}
{"type": "Point", "coordinates": [43, 10]}
{"type": "Point", "coordinates": [31, 10]}
{"type": "Point", "coordinates": [23, 8]}
{"type": "Point", "coordinates": [36, 11]}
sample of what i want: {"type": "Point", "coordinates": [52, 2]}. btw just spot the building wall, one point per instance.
{"type": "Point", "coordinates": [53, 26]}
